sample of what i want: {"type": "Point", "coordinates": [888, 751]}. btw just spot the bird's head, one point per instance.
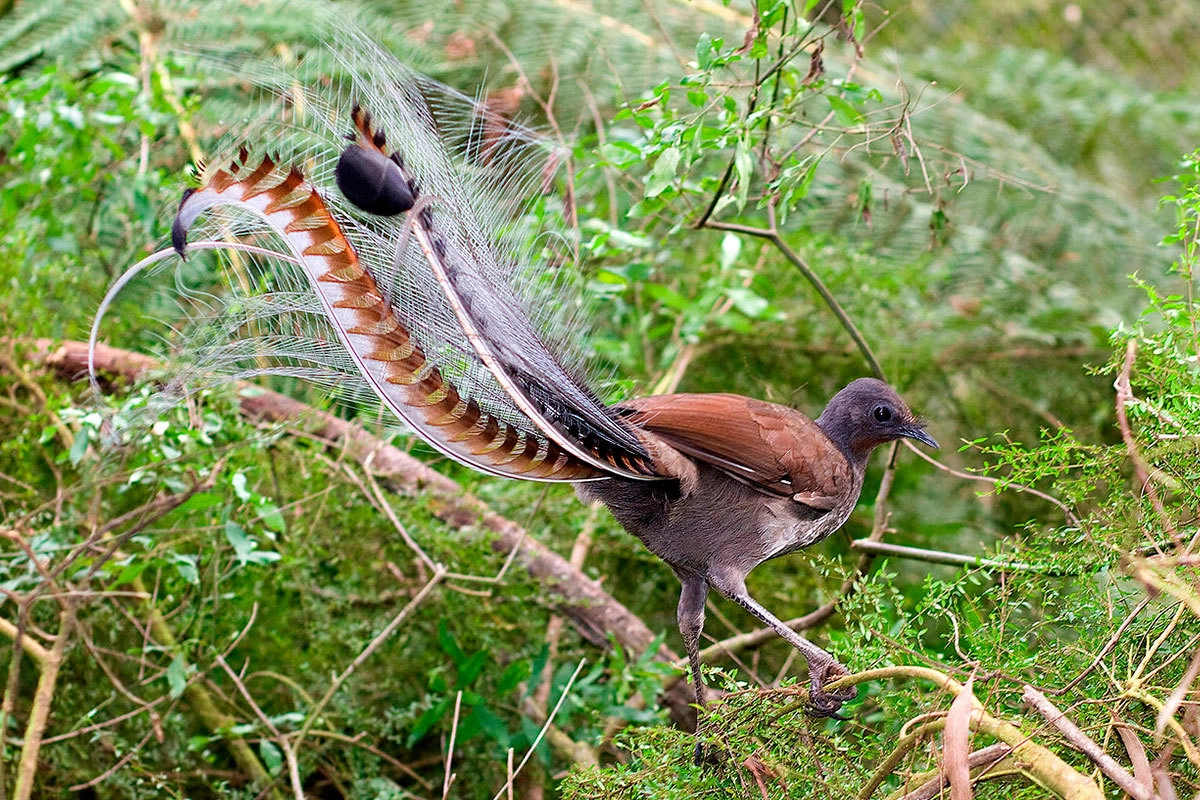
{"type": "Point", "coordinates": [868, 413]}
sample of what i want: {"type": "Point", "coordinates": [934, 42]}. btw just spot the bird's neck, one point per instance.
{"type": "Point", "coordinates": [841, 432]}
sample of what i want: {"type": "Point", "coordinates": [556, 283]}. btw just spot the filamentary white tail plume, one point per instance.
{"type": "Point", "coordinates": [378, 236]}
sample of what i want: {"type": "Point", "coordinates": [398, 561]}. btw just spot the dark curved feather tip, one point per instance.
{"type": "Point", "coordinates": [373, 182]}
{"type": "Point", "coordinates": [178, 231]}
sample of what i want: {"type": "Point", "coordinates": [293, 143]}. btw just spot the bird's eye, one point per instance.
{"type": "Point", "coordinates": [882, 414]}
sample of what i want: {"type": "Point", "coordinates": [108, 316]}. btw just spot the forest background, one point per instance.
{"type": "Point", "coordinates": [994, 205]}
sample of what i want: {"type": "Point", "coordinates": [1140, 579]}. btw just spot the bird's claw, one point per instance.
{"type": "Point", "coordinates": [824, 704]}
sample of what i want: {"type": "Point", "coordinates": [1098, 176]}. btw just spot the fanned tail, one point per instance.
{"type": "Point", "coordinates": [427, 264]}
{"type": "Point", "coordinates": [495, 326]}
{"type": "Point", "coordinates": [388, 355]}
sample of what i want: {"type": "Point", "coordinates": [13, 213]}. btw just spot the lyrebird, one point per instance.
{"type": "Point", "coordinates": [394, 261]}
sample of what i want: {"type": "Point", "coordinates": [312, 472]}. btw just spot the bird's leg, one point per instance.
{"type": "Point", "coordinates": [821, 665]}
{"type": "Point", "coordinates": [690, 615]}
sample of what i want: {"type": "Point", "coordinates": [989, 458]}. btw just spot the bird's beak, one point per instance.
{"type": "Point", "coordinates": [918, 433]}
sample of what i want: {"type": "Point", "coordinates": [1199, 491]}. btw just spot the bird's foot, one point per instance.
{"type": "Point", "coordinates": [826, 704]}
{"type": "Point", "coordinates": [711, 755]}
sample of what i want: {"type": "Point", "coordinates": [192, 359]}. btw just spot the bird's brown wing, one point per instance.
{"type": "Point", "coordinates": [770, 447]}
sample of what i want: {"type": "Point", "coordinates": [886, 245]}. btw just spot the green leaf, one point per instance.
{"type": "Point", "coordinates": [448, 645]}
{"type": "Point", "coordinates": [236, 536]}
{"type": "Point", "coordinates": [186, 564]}
{"type": "Point", "coordinates": [272, 758]}
{"type": "Point", "coordinates": [743, 165]}
{"type": "Point", "coordinates": [238, 481]}
{"type": "Point", "coordinates": [469, 670]}
{"type": "Point", "coordinates": [747, 301]}
{"type": "Point", "coordinates": [846, 114]}
{"type": "Point", "coordinates": [272, 518]}
{"type": "Point", "coordinates": [130, 571]}
{"type": "Point", "coordinates": [201, 501]}
{"type": "Point", "coordinates": [512, 676]}
{"type": "Point", "coordinates": [427, 720]}
{"type": "Point", "coordinates": [177, 675]}
{"type": "Point", "coordinates": [666, 296]}
{"type": "Point", "coordinates": [79, 447]}
{"type": "Point", "coordinates": [492, 726]}
{"type": "Point", "coordinates": [663, 174]}
{"type": "Point", "coordinates": [704, 51]}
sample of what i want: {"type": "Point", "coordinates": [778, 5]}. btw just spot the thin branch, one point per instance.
{"type": "Point", "coordinates": [1124, 395]}
{"type": "Point", "coordinates": [39, 708]}
{"type": "Point", "coordinates": [1016, 487]}
{"type": "Point", "coordinates": [955, 559]}
{"type": "Point", "coordinates": [541, 733]}
{"type": "Point", "coordinates": [438, 574]}
{"type": "Point", "coordinates": [1080, 741]}
{"type": "Point", "coordinates": [449, 779]}
{"type": "Point", "coordinates": [772, 235]}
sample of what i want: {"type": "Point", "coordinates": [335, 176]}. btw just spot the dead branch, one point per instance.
{"type": "Point", "coordinates": [594, 613]}
{"type": "Point", "coordinates": [1080, 741]}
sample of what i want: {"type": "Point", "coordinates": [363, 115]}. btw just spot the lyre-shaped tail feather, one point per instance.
{"type": "Point", "coordinates": [389, 357]}
{"type": "Point", "coordinates": [414, 253]}
{"type": "Point", "coordinates": [494, 325]}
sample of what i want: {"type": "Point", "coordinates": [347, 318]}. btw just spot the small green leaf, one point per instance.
{"type": "Point", "coordinates": [846, 114]}
{"type": "Point", "coordinates": [492, 725]}
{"type": "Point", "coordinates": [449, 645]}
{"type": "Point", "coordinates": [186, 565]}
{"type": "Point", "coordinates": [469, 670]}
{"type": "Point", "coordinates": [79, 447]}
{"type": "Point", "coordinates": [427, 720]}
{"type": "Point", "coordinates": [200, 501]}
{"type": "Point", "coordinates": [272, 518]}
{"type": "Point", "coordinates": [130, 571]}
{"type": "Point", "coordinates": [272, 758]}
{"type": "Point", "coordinates": [512, 676]}
{"type": "Point", "coordinates": [236, 536]}
{"type": "Point", "coordinates": [663, 174]}
{"type": "Point", "coordinates": [743, 165]}
{"type": "Point", "coordinates": [704, 51]}
{"type": "Point", "coordinates": [731, 248]}
{"type": "Point", "coordinates": [177, 675]}
{"type": "Point", "coordinates": [238, 481]}
{"type": "Point", "coordinates": [746, 301]}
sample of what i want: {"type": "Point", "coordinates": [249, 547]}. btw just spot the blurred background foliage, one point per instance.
{"type": "Point", "coordinates": [975, 183]}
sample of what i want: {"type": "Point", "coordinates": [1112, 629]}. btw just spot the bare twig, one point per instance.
{"type": "Point", "coordinates": [982, 762]}
{"type": "Point", "coordinates": [772, 235]}
{"type": "Point", "coordinates": [954, 559]}
{"type": "Point", "coordinates": [438, 574]}
{"type": "Point", "coordinates": [449, 779]}
{"type": "Point", "coordinates": [1124, 395]}
{"type": "Point", "coordinates": [1078, 739]}
{"type": "Point", "coordinates": [39, 708]}
{"type": "Point", "coordinates": [508, 784]}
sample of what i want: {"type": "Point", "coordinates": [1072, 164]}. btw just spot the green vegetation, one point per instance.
{"type": "Point", "coordinates": [1002, 202]}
